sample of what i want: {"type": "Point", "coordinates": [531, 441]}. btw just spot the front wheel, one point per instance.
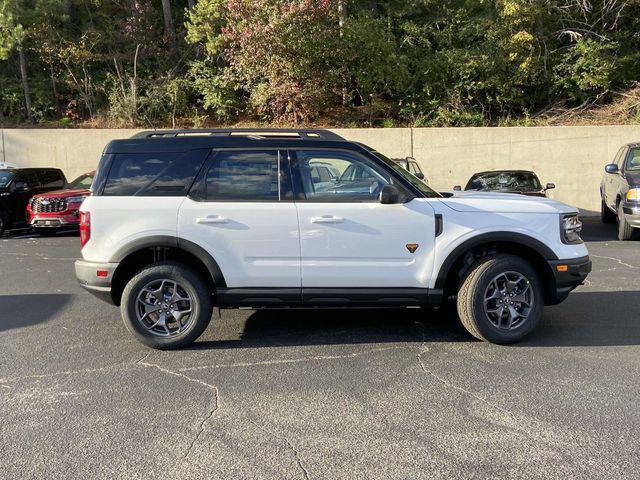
{"type": "Point", "coordinates": [501, 299]}
{"type": "Point", "coordinates": [166, 305]}
{"type": "Point", "coordinates": [625, 231]}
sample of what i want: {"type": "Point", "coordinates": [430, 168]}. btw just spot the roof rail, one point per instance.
{"type": "Point", "coordinates": [258, 133]}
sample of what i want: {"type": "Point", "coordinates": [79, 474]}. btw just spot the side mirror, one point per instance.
{"type": "Point", "coordinates": [457, 188]}
{"type": "Point", "coordinates": [550, 186]}
{"type": "Point", "coordinates": [611, 168]}
{"type": "Point", "coordinates": [420, 175]}
{"type": "Point", "coordinates": [389, 195]}
{"type": "Point", "coordinates": [21, 187]}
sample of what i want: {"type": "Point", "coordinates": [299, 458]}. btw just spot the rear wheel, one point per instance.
{"type": "Point", "coordinates": [166, 305]}
{"type": "Point", "coordinates": [625, 231]}
{"type": "Point", "coordinates": [606, 215]}
{"type": "Point", "coordinates": [501, 299]}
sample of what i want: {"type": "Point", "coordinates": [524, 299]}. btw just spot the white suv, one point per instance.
{"type": "Point", "coordinates": [180, 221]}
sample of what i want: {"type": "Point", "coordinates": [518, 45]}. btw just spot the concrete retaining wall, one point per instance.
{"type": "Point", "coordinates": [571, 157]}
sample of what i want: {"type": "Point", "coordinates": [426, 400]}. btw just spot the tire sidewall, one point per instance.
{"type": "Point", "coordinates": [190, 282]}
{"type": "Point", "coordinates": [483, 324]}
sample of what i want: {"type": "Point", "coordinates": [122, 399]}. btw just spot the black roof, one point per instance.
{"type": "Point", "coordinates": [503, 171]}
{"type": "Point", "coordinates": [183, 140]}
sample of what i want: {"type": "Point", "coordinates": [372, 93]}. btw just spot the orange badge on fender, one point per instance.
{"type": "Point", "coordinates": [412, 247]}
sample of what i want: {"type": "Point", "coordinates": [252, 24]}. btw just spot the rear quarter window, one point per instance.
{"type": "Point", "coordinates": [153, 174]}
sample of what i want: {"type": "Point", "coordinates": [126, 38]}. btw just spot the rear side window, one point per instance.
{"type": "Point", "coordinates": [153, 174]}
{"type": "Point", "coordinates": [51, 178]}
{"type": "Point", "coordinates": [248, 176]}
{"type": "Point", "coordinates": [30, 178]}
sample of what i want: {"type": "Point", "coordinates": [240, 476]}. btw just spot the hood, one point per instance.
{"type": "Point", "coordinates": [494, 202]}
{"type": "Point", "coordinates": [63, 193]}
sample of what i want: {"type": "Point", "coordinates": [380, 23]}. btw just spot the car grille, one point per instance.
{"type": "Point", "coordinates": [48, 205]}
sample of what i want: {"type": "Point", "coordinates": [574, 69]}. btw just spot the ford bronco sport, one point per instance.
{"type": "Point", "coordinates": [181, 221]}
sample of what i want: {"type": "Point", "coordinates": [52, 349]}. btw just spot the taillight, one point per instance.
{"type": "Point", "coordinates": [85, 228]}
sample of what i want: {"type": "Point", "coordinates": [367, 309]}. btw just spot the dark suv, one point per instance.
{"type": "Point", "coordinates": [18, 185]}
{"type": "Point", "coordinates": [620, 191]}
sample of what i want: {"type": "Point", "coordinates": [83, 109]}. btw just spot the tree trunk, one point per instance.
{"type": "Point", "coordinates": [191, 4]}
{"type": "Point", "coordinates": [342, 17]}
{"type": "Point", "coordinates": [25, 82]}
{"type": "Point", "coordinates": [168, 28]}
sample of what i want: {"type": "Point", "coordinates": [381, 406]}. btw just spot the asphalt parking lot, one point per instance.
{"type": "Point", "coordinates": [310, 395]}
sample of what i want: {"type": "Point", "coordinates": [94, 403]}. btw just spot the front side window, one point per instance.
{"type": "Point", "coordinates": [51, 179]}
{"type": "Point", "coordinates": [633, 160]}
{"type": "Point", "coordinates": [247, 176]}
{"type": "Point", "coordinates": [334, 176]}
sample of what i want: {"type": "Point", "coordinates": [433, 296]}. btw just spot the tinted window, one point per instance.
{"type": "Point", "coordinates": [352, 178]}
{"type": "Point", "coordinates": [5, 178]}
{"type": "Point", "coordinates": [633, 160]}
{"type": "Point", "coordinates": [30, 178]}
{"type": "Point", "coordinates": [247, 176]}
{"type": "Point", "coordinates": [51, 178]}
{"type": "Point", "coordinates": [153, 174]}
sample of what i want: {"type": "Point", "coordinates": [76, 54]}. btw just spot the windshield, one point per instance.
{"type": "Point", "coordinates": [5, 178]}
{"type": "Point", "coordinates": [83, 182]}
{"type": "Point", "coordinates": [415, 181]}
{"type": "Point", "coordinates": [512, 181]}
{"type": "Point", "coordinates": [634, 160]}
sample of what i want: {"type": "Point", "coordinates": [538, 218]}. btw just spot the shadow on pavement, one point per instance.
{"type": "Point", "coordinates": [18, 311]}
{"type": "Point", "coordinates": [590, 319]}
{"type": "Point", "coordinates": [593, 230]}
{"type": "Point", "coordinates": [585, 319]}
{"type": "Point", "coordinates": [272, 328]}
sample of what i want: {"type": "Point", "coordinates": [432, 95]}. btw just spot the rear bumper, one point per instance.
{"type": "Point", "coordinates": [100, 286]}
{"type": "Point", "coordinates": [632, 213]}
{"type": "Point", "coordinates": [568, 274]}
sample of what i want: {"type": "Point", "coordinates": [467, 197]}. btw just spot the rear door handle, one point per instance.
{"type": "Point", "coordinates": [212, 219]}
{"type": "Point", "coordinates": [327, 219]}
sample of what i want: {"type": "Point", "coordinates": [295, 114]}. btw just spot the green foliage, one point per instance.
{"type": "Point", "coordinates": [381, 62]}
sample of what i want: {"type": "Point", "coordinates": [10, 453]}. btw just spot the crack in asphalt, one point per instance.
{"type": "Point", "coordinates": [290, 446]}
{"type": "Point", "coordinates": [212, 410]}
{"type": "Point", "coordinates": [616, 260]}
{"type": "Point", "coordinates": [290, 360]}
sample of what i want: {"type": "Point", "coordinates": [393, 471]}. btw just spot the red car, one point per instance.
{"type": "Point", "coordinates": [50, 211]}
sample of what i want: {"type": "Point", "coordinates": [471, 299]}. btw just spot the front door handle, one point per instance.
{"type": "Point", "coordinates": [212, 219]}
{"type": "Point", "coordinates": [327, 219]}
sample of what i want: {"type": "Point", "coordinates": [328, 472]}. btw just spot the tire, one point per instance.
{"type": "Point", "coordinates": [479, 281]}
{"type": "Point", "coordinates": [189, 284]}
{"type": "Point", "coordinates": [625, 231]}
{"type": "Point", "coordinates": [4, 222]}
{"type": "Point", "coordinates": [606, 215]}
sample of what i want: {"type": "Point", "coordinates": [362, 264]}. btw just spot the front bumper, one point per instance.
{"type": "Point", "coordinates": [632, 213]}
{"type": "Point", "coordinates": [96, 278]}
{"type": "Point", "coordinates": [53, 220]}
{"type": "Point", "coordinates": [568, 274]}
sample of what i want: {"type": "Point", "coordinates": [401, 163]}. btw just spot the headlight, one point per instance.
{"type": "Point", "coordinates": [570, 228]}
{"type": "Point", "coordinates": [633, 195]}
{"type": "Point", "coordinates": [76, 199]}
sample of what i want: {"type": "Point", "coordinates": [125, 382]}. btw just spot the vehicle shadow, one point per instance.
{"type": "Point", "coordinates": [590, 319]}
{"type": "Point", "coordinates": [273, 328]}
{"type": "Point", "coordinates": [593, 230]}
{"type": "Point", "coordinates": [26, 232]}
{"type": "Point", "coordinates": [586, 319]}
{"type": "Point", "coordinates": [18, 311]}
